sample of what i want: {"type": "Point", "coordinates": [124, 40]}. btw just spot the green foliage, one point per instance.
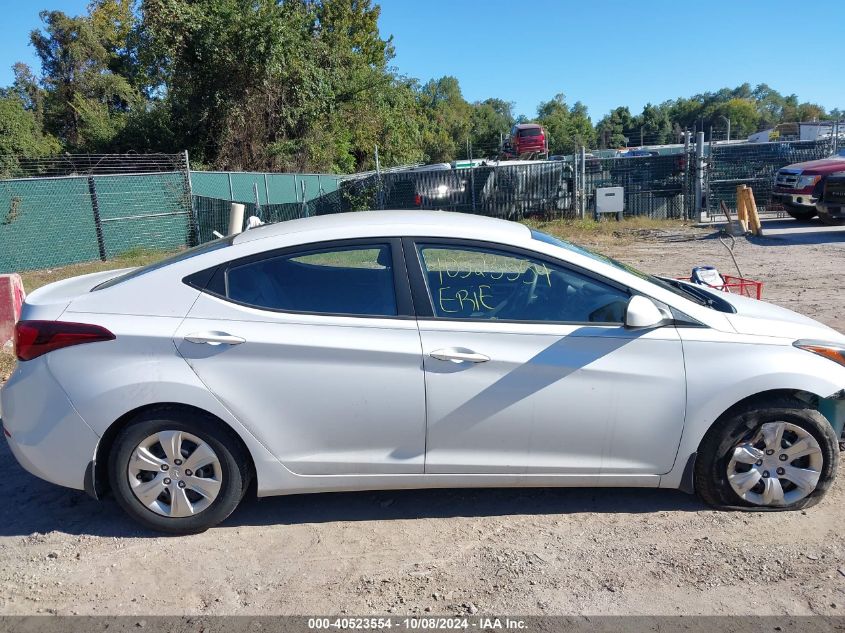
{"type": "Point", "coordinates": [490, 123]}
{"type": "Point", "coordinates": [567, 128]}
{"type": "Point", "coordinates": [85, 99]}
{"type": "Point", "coordinates": [20, 134]}
{"type": "Point", "coordinates": [297, 85]}
{"type": "Point", "coordinates": [613, 128]}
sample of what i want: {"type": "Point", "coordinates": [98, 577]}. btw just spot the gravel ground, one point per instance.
{"type": "Point", "coordinates": [545, 551]}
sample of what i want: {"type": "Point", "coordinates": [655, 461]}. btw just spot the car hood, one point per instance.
{"type": "Point", "coordinates": [825, 165]}
{"type": "Point", "coordinates": [766, 319]}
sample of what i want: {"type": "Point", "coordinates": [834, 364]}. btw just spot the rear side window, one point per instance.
{"type": "Point", "coordinates": [202, 249]}
{"type": "Point", "coordinates": [354, 280]}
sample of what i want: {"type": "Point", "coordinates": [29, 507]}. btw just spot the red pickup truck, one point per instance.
{"type": "Point", "coordinates": [799, 187]}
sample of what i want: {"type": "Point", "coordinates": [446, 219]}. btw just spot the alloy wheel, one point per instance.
{"type": "Point", "coordinates": [778, 466]}
{"type": "Point", "coordinates": [175, 474]}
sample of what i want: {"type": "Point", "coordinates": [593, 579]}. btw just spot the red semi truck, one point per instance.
{"type": "Point", "coordinates": [799, 187]}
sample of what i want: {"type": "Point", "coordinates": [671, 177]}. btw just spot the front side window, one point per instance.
{"type": "Point", "coordinates": [354, 280]}
{"type": "Point", "coordinates": [485, 284]}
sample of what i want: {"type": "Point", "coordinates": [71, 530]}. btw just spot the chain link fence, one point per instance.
{"type": "Point", "coordinates": [657, 186]}
{"type": "Point", "coordinates": [756, 165]}
{"type": "Point", "coordinates": [70, 209]}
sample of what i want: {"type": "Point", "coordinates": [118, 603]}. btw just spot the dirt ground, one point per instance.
{"type": "Point", "coordinates": [545, 551]}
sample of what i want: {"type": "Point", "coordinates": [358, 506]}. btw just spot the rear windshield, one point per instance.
{"type": "Point", "coordinates": [532, 131]}
{"type": "Point", "coordinates": [178, 257]}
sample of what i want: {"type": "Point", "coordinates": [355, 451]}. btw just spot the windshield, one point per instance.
{"type": "Point", "coordinates": [691, 292]}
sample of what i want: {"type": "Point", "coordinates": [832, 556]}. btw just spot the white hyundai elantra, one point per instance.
{"type": "Point", "coordinates": [407, 349]}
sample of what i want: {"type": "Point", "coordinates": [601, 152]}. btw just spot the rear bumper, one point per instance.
{"type": "Point", "coordinates": [45, 433]}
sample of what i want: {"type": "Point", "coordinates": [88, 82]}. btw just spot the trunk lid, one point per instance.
{"type": "Point", "coordinates": [50, 301]}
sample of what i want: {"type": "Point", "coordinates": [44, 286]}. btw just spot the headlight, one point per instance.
{"type": "Point", "coordinates": [807, 181]}
{"type": "Point", "coordinates": [831, 351]}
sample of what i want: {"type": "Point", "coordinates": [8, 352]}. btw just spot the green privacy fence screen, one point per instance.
{"type": "Point", "coordinates": [261, 188]}
{"type": "Point", "coordinates": [49, 222]}
{"type": "Point", "coordinates": [69, 209]}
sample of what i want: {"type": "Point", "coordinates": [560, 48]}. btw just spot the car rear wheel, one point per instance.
{"type": "Point", "coordinates": [177, 473]}
{"type": "Point", "coordinates": [780, 455]}
{"type": "Point", "coordinates": [802, 214]}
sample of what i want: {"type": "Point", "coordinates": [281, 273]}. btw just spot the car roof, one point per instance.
{"type": "Point", "coordinates": [399, 223]}
{"type": "Point", "coordinates": [527, 126]}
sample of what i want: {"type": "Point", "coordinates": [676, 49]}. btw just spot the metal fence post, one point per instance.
{"type": "Point", "coordinates": [231, 191]}
{"type": "Point", "coordinates": [194, 236]}
{"type": "Point", "coordinates": [685, 189]}
{"type": "Point", "coordinates": [699, 208]}
{"type": "Point", "coordinates": [266, 190]}
{"type": "Point", "coordinates": [576, 201]}
{"type": "Point", "coordinates": [98, 224]}
{"type": "Point", "coordinates": [583, 180]}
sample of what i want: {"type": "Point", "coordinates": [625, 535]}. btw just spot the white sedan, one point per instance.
{"type": "Point", "coordinates": [382, 350]}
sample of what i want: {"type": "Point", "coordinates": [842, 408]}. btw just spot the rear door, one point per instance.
{"type": "Point", "coordinates": [315, 350]}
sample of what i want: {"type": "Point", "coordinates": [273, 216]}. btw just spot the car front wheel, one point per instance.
{"type": "Point", "coordinates": [780, 455]}
{"type": "Point", "coordinates": [178, 473]}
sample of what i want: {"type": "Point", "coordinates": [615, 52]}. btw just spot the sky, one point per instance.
{"type": "Point", "coordinates": [604, 53]}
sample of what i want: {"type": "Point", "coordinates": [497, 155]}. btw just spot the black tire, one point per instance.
{"type": "Point", "coordinates": [711, 481]}
{"type": "Point", "coordinates": [829, 220]}
{"type": "Point", "coordinates": [802, 214]}
{"type": "Point", "coordinates": [236, 471]}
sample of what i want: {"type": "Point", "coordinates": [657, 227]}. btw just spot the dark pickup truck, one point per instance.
{"type": "Point", "coordinates": [831, 206]}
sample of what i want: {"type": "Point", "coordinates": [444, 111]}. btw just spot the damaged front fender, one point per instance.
{"type": "Point", "coordinates": [833, 408]}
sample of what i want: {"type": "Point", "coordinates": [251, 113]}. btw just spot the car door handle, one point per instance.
{"type": "Point", "coordinates": [458, 356]}
{"type": "Point", "coordinates": [214, 338]}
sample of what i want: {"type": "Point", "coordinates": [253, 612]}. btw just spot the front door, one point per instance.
{"type": "Point", "coordinates": [316, 351]}
{"type": "Point", "coordinates": [529, 368]}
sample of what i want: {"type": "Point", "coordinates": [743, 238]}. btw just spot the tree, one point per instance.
{"type": "Point", "coordinates": [85, 101]}
{"type": "Point", "coordinates": [20, 135]}
{"type": "Point", "coordinates": [653, 126]}
{"type": "Point", "coordinates": [567, 128]}
{"type": "Point", "coordinates": [301, 84]}
{"type": "Point", "coordinates": [447, 119]}
{"type": "Point", "coordinates": [612, 129]}
{"type": "Point", "coordinates": [491, 121]}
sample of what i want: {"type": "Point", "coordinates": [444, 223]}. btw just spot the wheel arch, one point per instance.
{"type": "Point", "coordinates": [96, 476]}
{"type": "Point", "coordinates": [834, 414]}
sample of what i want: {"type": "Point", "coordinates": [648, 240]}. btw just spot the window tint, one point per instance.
{"type": "Point", "coordinates": [476, 283]}
{"type": "Point", "coordinates": [356, 280]}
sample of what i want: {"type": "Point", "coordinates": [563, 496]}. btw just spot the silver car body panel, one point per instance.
{"type": "Point", "coordinates": [339, 403]}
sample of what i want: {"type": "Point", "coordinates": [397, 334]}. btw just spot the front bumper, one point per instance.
{"type": "Point", "coordinates": [795, 199]}
{"type": "Point", "coordinates": [45, 433]}
{"type": "Point", "coordinates": [836, 210]}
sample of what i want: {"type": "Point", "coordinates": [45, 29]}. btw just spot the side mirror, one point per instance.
{"type": "Point", "coordinates": [642, 313]}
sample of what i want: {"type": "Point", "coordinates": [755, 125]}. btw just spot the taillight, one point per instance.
{"type": "Point", "coordinates": [418, 200]}
{"type": "Point", "coordinates": [34, 338]}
